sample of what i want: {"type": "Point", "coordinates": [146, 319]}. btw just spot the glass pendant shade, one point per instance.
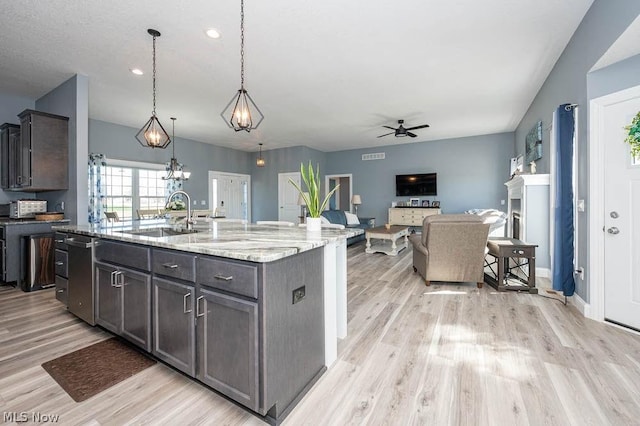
{"type": "Point", "coordinates": [260, 161]}
{"type": "Point", "coordinates": [245, 114]}
{"type": "Point", "coordinates": [153, 135]}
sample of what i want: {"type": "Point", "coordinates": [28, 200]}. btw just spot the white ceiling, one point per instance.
{"type": "Point", "coordinates": [326, 74]}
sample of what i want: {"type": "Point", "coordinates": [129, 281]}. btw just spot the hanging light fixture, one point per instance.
{"type": "Point", "coordinates": [152, 133]}
{"type": "Point", "coordinates": [245, 114]}
{"type": "Point", "coordinates": [260, 160]}
{"type": "Point", "coordinates": [175, 171]}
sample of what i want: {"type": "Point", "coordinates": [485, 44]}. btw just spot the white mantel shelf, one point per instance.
{"type": "Point", "coordinates": [525, 180]}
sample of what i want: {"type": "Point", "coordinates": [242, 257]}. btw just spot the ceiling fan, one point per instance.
{"type": "Point", "coordinates": [401, 131]}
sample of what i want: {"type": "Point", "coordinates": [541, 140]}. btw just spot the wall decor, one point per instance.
{"type": "Point", "coordinates": [415, 202]}
{"type": "Point", "coordinates": [435, 204]}
{"type": "Point", "coordinates": [425, 203]}
{"type": "Point", "coordinates": [533, 143]}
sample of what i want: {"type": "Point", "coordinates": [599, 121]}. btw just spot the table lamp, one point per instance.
{"type": "Point", "coordinates": [356, 201]}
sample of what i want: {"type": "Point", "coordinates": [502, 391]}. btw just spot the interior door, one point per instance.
{"type": "Point", "coordinates": [229, 193]}
{"type": "Point", "coordinates": [622, 206]}
{"type": "Point", "coordinates": [288, 208]}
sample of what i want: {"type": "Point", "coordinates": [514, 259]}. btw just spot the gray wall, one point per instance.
{"type": "Point", "coordinates": [614, 78]}
{"type": "Point", "coordinates": [118, 142]}
{"type": "Point", "coordinates": [71, 99]}
{"type": "Point", "coordinates": [264, 180]}
{"type": "Point", "coordinates": [471, 172]}
{"type": "Point", "coordinates": [10, 107]}
{"type": "Point", "coordinates": [567, 83]}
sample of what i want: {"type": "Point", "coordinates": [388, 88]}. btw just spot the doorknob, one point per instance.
{"type": "Point", "coordinates": [614, 215]}
{"type": "Point", "coordinates": [613, 230]}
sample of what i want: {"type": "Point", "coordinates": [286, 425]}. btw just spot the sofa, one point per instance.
{"type": "Point", "coordinates": [451, 248]}
{"type": "Point", "coordinates": [339, 217]}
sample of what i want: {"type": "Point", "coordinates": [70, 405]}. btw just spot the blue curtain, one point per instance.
{"type": "Point", "coordinates": [563, 255]}
{"type": "Point", "coordinates": [97, 162]}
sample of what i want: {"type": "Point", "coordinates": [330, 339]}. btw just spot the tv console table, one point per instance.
{"type": "Point", "coordinates": [410, 216]}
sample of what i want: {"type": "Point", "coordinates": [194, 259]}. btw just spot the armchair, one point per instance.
{"type": "Point", "coordinates": [451, 247]}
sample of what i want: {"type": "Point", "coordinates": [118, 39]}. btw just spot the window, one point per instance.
{"type": "Point", "coordinates": [128, 189]}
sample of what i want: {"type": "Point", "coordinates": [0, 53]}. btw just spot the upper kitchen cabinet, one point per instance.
{"type": "Point", "coordinates": [9, 145]}
{"type": "Point", "coordinates": [42, 162]}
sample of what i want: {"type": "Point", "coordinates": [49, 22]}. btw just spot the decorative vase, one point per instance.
{"type": "Point", "coordinates": [313, 224]}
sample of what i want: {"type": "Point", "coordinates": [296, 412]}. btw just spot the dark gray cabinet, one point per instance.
{"type": "Point", "coordinates": [42, 161]}
{"type": "Point", "coordinates": [174, 335]}
{"type": "Point", "coordinates": [9, 148]}
{"type": "Point", "coordinates": [228, 345]}
{"type": "Point", "coordinates": [123, 302]}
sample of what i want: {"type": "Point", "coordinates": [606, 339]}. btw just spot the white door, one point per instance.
{"type": "Point", "coordinates": [288, 208]}
{"type": "Point", "coordinates": [229, 194]}
{"type": "Point", "coordinates": [621, 210]}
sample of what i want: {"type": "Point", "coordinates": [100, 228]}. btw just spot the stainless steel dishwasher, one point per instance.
{"type": "Point", "coordinates": [80, 298]}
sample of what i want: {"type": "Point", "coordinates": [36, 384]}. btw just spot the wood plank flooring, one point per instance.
{"type": "Point", "coordinates": [449, 354]}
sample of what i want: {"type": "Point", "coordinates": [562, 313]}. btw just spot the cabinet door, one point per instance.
{"type": "Point", "coordinates": [136, 308]}
{"type": "Point", "coordinates": [108, 306]}
{"type": "Point", "coordinates": [228, 346]}
{"type": "Point", "coordinates": [174, 324]}
{"type": "Point", "coordinates": [23, 159]}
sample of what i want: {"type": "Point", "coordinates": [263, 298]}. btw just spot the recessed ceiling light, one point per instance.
{"type": "Point", "coordinates": [136, 71]}
{"type": "Point", "coordinates": [212, 33]}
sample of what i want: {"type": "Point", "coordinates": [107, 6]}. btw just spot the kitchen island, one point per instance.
{"type": "Point", "coordinates": [252, 311]}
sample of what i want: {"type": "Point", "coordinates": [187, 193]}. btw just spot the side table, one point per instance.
{"type": "Point", "coordinates": [516, 265]}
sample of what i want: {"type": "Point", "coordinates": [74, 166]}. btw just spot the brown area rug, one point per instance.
{"type": "Point", "coordinates": [88, 371]}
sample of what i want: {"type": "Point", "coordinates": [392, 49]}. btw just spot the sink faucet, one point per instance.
{"type": "Point", "coordinates": [190, 220]}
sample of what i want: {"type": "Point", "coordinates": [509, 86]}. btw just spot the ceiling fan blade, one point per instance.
{"type": "Point", "coordinates": [387, 127]}
{"type": "Point", "coordinates": [386, 134]}
{"type": "Point", "coordinates": [413, 135]}
{"type": "Point", "coordinates": [418, 127]}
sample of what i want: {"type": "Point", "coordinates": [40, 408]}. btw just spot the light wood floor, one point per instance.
{"type": "Point", "coordinates": [449, 354]}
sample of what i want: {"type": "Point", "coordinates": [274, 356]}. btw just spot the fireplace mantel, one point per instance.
{"type": "Point", "coordinates": [528, 196]}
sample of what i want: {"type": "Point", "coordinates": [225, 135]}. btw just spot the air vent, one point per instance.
{"type": "Point", "coordinates": [373, 156]}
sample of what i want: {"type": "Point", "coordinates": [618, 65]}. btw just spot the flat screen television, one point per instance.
{"type": "Point", "coordinates": [417, 184]}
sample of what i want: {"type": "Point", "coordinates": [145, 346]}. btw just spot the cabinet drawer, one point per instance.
{"type": "Point", "coordinates": [173, 264]}
{"type": "Point", "coordinates": [60, 236]}
{"type": "Point", "coordinates": [62, 263]}
{"type": "Point", "coordinates": [124, 254]}
{"type": "Point", "coordinates": [61, 289]}
{"type": "Point", "coordinates": [233, 277]}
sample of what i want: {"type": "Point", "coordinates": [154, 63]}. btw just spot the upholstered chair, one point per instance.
{"type": "Point", "coordinates": [451, 248]}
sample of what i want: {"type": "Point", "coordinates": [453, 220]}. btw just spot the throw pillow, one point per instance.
{"type": "Point", "coordinates": [352, 219]}
{"type": "Point", "coordinates": [324, 220]}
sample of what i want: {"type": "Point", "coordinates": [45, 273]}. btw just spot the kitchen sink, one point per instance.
{"type": "Point", "coordinates": [160, 232]}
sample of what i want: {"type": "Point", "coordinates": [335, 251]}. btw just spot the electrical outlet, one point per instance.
{"type": "Point", "coordinates": [502, 202]}
{"type": "Point", "coordinates": [202, 202]}
{"type": "Point", "coordinates": [580, 272]}
{"type": "Point", "coordinates": [195, 202]}
{"type": "Point", "coordinates": [299, 294]}
{"type": "Point", "coordinates": [581, 205]}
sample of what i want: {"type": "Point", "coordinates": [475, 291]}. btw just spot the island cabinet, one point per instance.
{"type": "Point", "coordinates": [123, 291]}
{"type": "Point", "coordinates": [61, 267]}
{"type": "Point", "coordinates": [174, 295]}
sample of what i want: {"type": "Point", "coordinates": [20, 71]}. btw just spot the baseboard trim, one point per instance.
{"type": "Point", "coordinates": [580, 305]}
{"type": "Point", "coordinates": [543, 272]}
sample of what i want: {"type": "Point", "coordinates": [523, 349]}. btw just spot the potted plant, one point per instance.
{"type": "Point", "coordinates": [633, 135]}
{"type": "Point", "coordinates": [311, 196]}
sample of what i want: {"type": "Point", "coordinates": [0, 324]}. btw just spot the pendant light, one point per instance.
{"type": "Point", "coordinates": [260, 160]}
{"type": "Point", "coordinates": [245, 114]}
{"type": "Point", "coordinates": [175, 171]}
{"type": "Point", "coordinates": [152, 134]}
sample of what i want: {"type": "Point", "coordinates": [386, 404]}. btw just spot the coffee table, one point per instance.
{"type": "Point", "coordinates": [392, 234]}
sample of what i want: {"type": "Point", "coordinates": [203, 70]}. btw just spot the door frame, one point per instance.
{"type": "Point", "coordinates": [326, 186]}
{"type": "Point", "coordinates": [595, 308]}
{"type": "Point", "coordinates": [213, 173]}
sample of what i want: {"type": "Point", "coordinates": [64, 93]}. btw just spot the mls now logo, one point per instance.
{"type": "Point", "coordinates": [23, 416]}
{"type": "Point", "coordinates": [15, 416]}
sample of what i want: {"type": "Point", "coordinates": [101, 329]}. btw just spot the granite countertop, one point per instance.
{"type": "Point", "coordinates": [8, 221]}
{"type": "Point", "coordinates": [255, 243]}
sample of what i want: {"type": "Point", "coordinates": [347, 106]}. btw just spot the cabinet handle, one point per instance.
{"type": "Point", "coordinates": [170, 265]}
{"type": "Point", "coordinates": [198, 314]}
{"type": "Point", "coordinates": [61, 290]}
{"type": "Point", "coordinates": [117, 283]}
{"type": "Point", "coordinates": [223, 278]}
{"type": "Point", "coordinates": [113, 281]}
{"type": "Point", "coordinates": [184, 304]}
{"type": "Point", "coordinates": [60, 241]}
{"type": "Point", "coordinates": [59, 263]}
